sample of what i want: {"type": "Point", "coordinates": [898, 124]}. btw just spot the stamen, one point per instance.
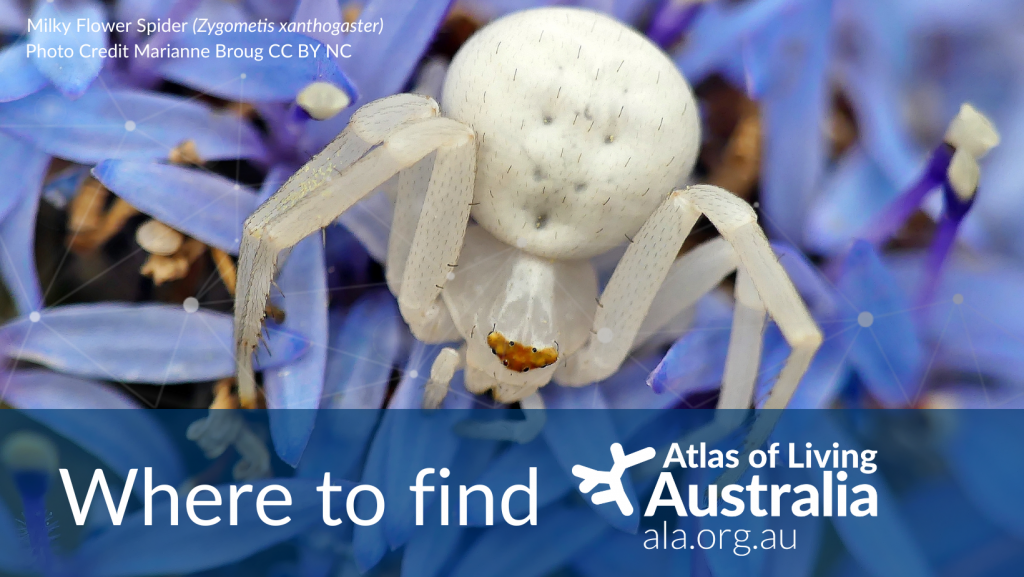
{"type": "Point", "coordinates": [158, 238]}
{"type": "Point", "coordinates": [169, 268]}
{"type": "Point", "coordinates": [322, 100]}
{"type": "Point", "coordinates": [185, 153]}
{"type": "Point", "coordinates": [896, 213]}
{"type": "Point", "coordinates": [32, 460]}
{"type": "Point", "coordinates": [954, 167]}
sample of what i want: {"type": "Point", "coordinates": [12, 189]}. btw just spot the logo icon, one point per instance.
{"type": "Point", "coordinates": [613, 478]}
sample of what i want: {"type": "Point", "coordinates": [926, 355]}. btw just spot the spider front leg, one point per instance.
{"type": "Point", "coordinates": [645, 266]}
{"type": "Point", "coordinates": [406, 127]}
{"type": "Point", "coordinates": [447, 362]}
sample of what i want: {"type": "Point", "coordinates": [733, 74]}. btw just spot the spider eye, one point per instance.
{"type": "Point", "coordinates": [534, 349]}
{"type": "Point", "coordinates": [525, 369]}
{"type": "Point", "coordinates": [494, 352]}
{"type": "Point", "coordinates": [504, 363]}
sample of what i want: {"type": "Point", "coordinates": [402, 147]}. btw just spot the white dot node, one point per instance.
{"type": "Point", "coordinates": [605, 335]}
{"type": "Point", "coordinates": [191, 304]}
{"type": "Point", "coordinates": [841, 476]}
{"type": "Point", "coordinates": [450, 276]}
{"type": "Point", "coordinates": [243, 76]}
{"type": "Point", "coordinates": [129, 125]}
{"type": "Point", "coordinates": [756, 204]}
{"type": "Point", "coordinates": [237, 187]}
{"type": "Point", "coordinates": [865, 319]}
{"type": "Point", "coordinates": [34, 316]}
{"type": "Point", "coordinates": [958, 299]}
{"type": "Point", "coordinates": [414, 374]}
{"type": "Point", "coordinates": [521, 242]}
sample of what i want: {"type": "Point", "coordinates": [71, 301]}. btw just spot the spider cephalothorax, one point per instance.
{"type": "Point", "coordinates": [564, 134]}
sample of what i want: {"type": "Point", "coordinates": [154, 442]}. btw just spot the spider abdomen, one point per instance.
{"type": "Point", "coordinates": [583, 128]}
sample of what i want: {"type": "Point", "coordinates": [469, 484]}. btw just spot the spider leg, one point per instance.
{"type": "Point", "coordinates": [407, 129]}
{"type": "Point", "coordinates": [646, 264]}
{"type": "Point", "coordinates": [629, 294]}
{"type": "Point", "coordinates": [411, 194]}
{"type": "Point", "coordinates": [436, 242]}
{"type": "Point", "coordinates": [738, 224]}
{"type": "Point", "coordinates": [691, 276]}
{"type": "Point", "coordinates": [745, 340]}
{"type": "Point", "coordinates": [447, 362]}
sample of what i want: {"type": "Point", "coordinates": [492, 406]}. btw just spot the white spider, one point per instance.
{"type": "Point", "coordinates": [562, 133]}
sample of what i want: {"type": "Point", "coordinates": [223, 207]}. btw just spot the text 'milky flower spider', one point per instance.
{"type": "Point", "coordinates": [560, 134]}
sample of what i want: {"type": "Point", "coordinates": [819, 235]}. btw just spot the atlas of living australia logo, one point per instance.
{"type": "Point", "coordinates": [612, 478]}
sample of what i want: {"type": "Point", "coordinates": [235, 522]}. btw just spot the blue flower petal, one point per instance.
{"type": "Point", "coordinates": [985, 332]}
{"type": "Point", "coordinates": [883, 545]}
{"type": "Point", "coordinates": [794, 104]}
{"type": "Point", "coordinates": [419, 439]}
{"type": "Point", "coordinates": [627, 389]}
{"type": "Point", "coordinates": [616, 553]}
{"type": "Point", "coordinates": [37, 392]}
{"type": "Point", "coordinates": [17, 261]}
{"type": "Point", "coordinates": [507, 470]}
{"type": "Point", "coordinates": [887, 352]}
{"type": "Point", "coordinates": [853, 194]}
{"type": "Point", "coordinates": [430, 549]}
{"type": "Point", "coordinates": [41, 389]}
{"type": "Point", "coordinates": [978, 459]}
{"type": "Point", "coordinates": [132, 10]}
{"type": "Point", "coordinates": [322, 10]}
{"type": "Point", "coordinates": [369, 220]}
{"type": "Point", "coordinates": [132, 549]}
{"type": "Point", "coordinates": [24, 167]}
{"type": "Point", "coordinates": [809, 531]}
{"type": "Point", "coordinates": [825, 378]}
{"type": "Point", "coordinates": [585, 437]}
{"type": "Point", "coordinates": [363, 350]}
{"type": "Point", "coordinates": [21, 77]}
{"type": "Point", "coordinates": [364, 345]}
{"type": "Point", "coordinates": [251, 80]}
{"type": "Point", "coordinates": [387, 60]}
{"type": "Point", "coordinates": [297, 386]}
{"type": "Point", "coordinates": [274, 10]}
{"type": "Point", "coordinates": [975, 534]}
{"type": "Point", "coordinates": [96, 126]}
{"type": "Point", "coordinates": [531, 551]}
{"type": "Point", "coordinates": [369, 545]}
{"type": "Point", "coordinates": [696, 361]}
{"type": "Point", "coordinates": [276, 177]}
{"type": "Point", "coordinates": [339, 445]}
{"type": "Point", "coordinates": [63, 186]}
{"type": "Point", "coordinates": [202, 205]}
{"type": "Point", "coordinates": [721, 30]}
{"type": "Point", "coordinates": [871, 70]}
{"type": "Point", "coordinates": [71, 75]}
{"type": "Point", "coordinates": [150, 343]}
